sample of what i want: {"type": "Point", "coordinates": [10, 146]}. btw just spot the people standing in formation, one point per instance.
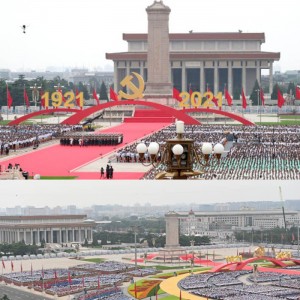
{"type": "Point", "coordinates": [103, 139]}
{"type": "Point", "coordinates": [257, 152]}
{"type": "Point", "coordinates": [109, 172]}
{"type": "Point", "coordinates": [13, 138]}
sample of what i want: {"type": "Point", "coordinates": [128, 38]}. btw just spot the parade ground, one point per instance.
{"type": "Point", "coordinates": [54, 160]}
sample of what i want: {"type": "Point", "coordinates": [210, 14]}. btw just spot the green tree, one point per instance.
{"type": "Point", "coordinates": [291, 89]}
{"type": "Point", "coordinates": [103, 92]}
{"type": "Point", "coordinates": [274, 94]}
{"type": "Point", "coordinates": [255, 94]}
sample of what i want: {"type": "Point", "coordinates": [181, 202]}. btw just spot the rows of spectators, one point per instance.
{"type": "Point", "coordinates": [86, 277]}
{"type": "Point", "coordinates": [17, 137]}
{"type": "Point", "coordinates": [108, 294]}
{"type": "Point", "coordinates": [228, 286]}
{"type": "Point", "coordinates": [257, 152]}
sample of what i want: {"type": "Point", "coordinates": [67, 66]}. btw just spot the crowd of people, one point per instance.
{"type": "Point", "coordinates": [90, 277]}
{"type": "Point", "coordinates": [228, 286]}
{"type": "Point", "coordinates": [88, 139]}
{"type": "Point", "coordinates": [255, 152]}
{"type": "Point", "coordinates": [17, 137]}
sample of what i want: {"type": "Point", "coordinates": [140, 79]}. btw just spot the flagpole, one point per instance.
{"type": "Point", "coordinates": [7, 101]}
{"type": "Point", "coordinates": [298, 240]}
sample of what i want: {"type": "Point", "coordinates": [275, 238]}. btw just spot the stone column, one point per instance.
{"type": "Point", "coordinates": [31, 237]}
{"type": "Point", "coordinates": [244, 76]}
{"type": "Point", "coordinates": [116, 79]}
{"type": "Point", "coordinates": [172, 230]}
{"type": "Point", "coordinates": [51, 235]}
{"type": "Point", "coordinates": [183, 77]}
{"type": "Point", "coordinates": [271, 78]}
{"type": "Point", "coordinates": [216, 78]}
{"type": "Point", "coordinates": [202, 78]}
{"type": "Point", "coordinates": [73, 235]}
{"type": "Point", "coordinates": [158, 56]}
{"type": "Point", "coordinates": [229, 86]}
{"type": "Point", "coordinates": [79, 234]}
{"type": "Point", "coordinates": [258, 71]}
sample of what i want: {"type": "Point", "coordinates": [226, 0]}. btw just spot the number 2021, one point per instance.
{"type": "Point", "coordinates": [58, 99]}
{"type": "Point", "coordinates": [197, 98]}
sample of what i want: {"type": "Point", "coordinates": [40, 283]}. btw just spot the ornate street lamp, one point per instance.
{"type": "Point", "coordinates": [180, 157]}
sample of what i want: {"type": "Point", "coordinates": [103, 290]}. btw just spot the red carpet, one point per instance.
{"type": "Point", "coordinates": [60, 160]}
{"type": "Point", "coordinates": [150, 116]}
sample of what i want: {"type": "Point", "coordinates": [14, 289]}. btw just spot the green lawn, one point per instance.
{"type": "Point", "coordinates": [94, 260]}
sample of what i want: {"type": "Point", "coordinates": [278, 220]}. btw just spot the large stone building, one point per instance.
{"type": "Point", "coordinates": [196, 60]}
{"type": "Point", "coordinates": [222, 224]}
{"type": "Point", "coordinates": [51, 229]}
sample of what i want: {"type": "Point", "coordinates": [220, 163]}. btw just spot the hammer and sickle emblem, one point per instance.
{"type": "Point", "coordinates": [137, 92]}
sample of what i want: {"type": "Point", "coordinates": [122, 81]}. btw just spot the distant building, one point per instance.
{"type": "Point", "coordinates": [53, 229]}
{"type": "Point", "coordinates": [196, 60]}
{"type": "Point", "coordinates": [221, 225]}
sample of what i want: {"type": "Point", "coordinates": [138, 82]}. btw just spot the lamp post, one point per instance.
{"type": "Point", "coordinates": [298, 249]}
{"type": "Point", "coordinates": [193, 258]}
{"type": "Point", "coordinates": [180, 155]}
{"type": "Point", "coordinates": [135, 229]}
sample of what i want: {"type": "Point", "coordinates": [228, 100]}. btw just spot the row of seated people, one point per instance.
{"type": "Point", "coordinates": [250, 157]}
{"type": "Point", "coordinates": [23, 136]}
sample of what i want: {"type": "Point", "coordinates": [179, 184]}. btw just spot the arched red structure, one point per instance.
{"type": "Point", "coordinates": [41, 112]}
{"type": "Point", "coordinates": [223, 113]}
{"type": "Point", "coordinates": [178, 114]}
{"type": "Point", "coordinates": [242, 264]}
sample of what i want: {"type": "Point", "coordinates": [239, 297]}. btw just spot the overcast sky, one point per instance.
{"type": "Point", "coordinates": [84, 193]}
{"type": "Point", "coordinates": [78, 33]}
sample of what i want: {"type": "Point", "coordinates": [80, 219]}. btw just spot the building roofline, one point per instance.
{"type": "Point", "coordinates": [205, 36]}
{"type": "Point", "coordinates": [47, 217]}
{"type": "Point", "coordinates": [229, 55]}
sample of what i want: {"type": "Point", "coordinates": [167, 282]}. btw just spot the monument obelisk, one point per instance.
{"type": "Point", "coordinates": [158, 83]}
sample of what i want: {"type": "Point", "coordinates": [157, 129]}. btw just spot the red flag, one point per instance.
{"type": "Point", "coordinates": [293, 237]}
{"type": "Point", "coordinates": [113, 95]}
{"type": "Point", "coordinates": [26, 99]}
{"type": "Point", "coordinates": [42, 99]}
{"type": "Point", "coordinates": [214, 99]}
{"type": "Point", "coordinates": [3, 264]}
{"type": "Point", "coordinates": [96, 96]}
{"type": "Point", "coordinates": [69, 278]}
{"type": "Point", "coordinates": [9, 98]}
{"type": "Point", "coordinates": [280, 99]}
{"type": "Point", "coordinates": [98, 282]}
{"type": "Point", "coordinates": [55, 275]}
{"type": "Point", "coordinates": [12, 265]}
{"type": "Point", "coordinates": [228, 98]}
{"type": "Point", "coordinates": [62, 96]}
{"type": "Point", "coordinates": [262, 97]}
{"type": "Point", "coordinates": [297, 93]}
{"type": "Point", "coordinates": [244, 100]}
{"type": "Point", "coordinates": [190, 90]}
{"type": "Point", "coordinates": [21, 268]}
{"type": "Point", "coordinates": [176, 95]}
